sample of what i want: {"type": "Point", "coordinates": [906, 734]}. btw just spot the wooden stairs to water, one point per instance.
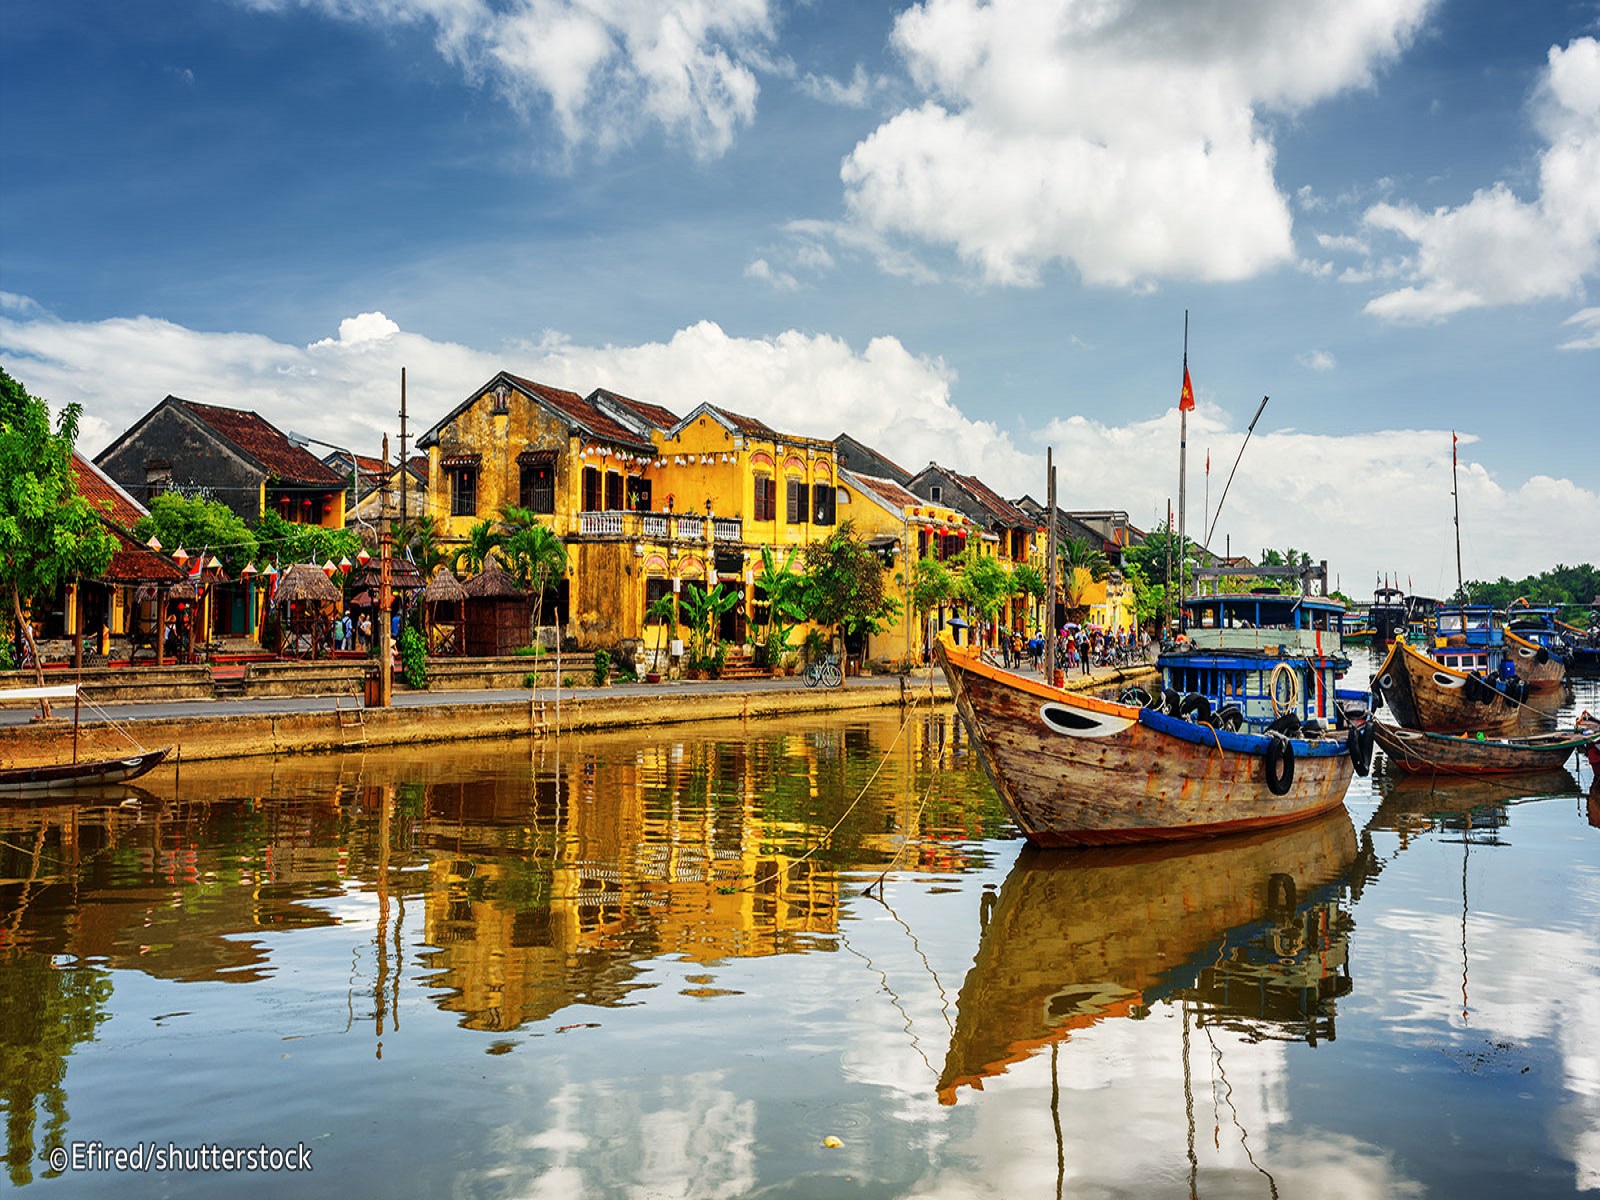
{"type": "Point", "coordinates": [743, 666]}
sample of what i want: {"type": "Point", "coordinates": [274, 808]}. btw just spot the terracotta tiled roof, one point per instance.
{"type": "Point", "coordinates": [746, 425]}
{"type": "Point", "coordinates": [887, 490]}
{"type": "Point", "coordinates": [1003, 511]}
{"type": "Point", "coordinates": [134, 562]}
{"type": "Point", "coordinates": [107, 497]}
{"type": "Point", "coordinates": [653, 414]}
{"type": "Point", "coordinates": [262, 441]}
{"type": "Point", "coordinates": [584, 414]}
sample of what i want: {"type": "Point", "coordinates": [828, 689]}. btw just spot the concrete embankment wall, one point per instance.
{"type": "Point", "coordinates": [343, 726]}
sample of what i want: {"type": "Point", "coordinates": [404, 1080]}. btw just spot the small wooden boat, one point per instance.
{"type": "Point", "coordinates": [1387, 614]}
{"type": "Point", "coordinates": [1076, 770]}
{"type": "Point", "coordinates": [1588, 724]}
{"type": "Point", "coordinates": [1248, 928]}
{"type": "Point", "coordinates": [1424, 693]}
{"type": "Point", "coordinates": [1476, 754]}
{"type": "Point", "coordinates": [55, 777]}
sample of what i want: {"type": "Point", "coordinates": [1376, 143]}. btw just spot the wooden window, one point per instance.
{"type": "Point", "coordinates": [613, 491]}
{"type": "Point", "coordinates": [798, 497]}
{"type": "Point", "coordinates": [464, 492]}
{"type": "Point", "coordinates": [638, 493]}
{"type": "Point", "coordinates": [537, 489]}
{"type": "Point", "coordinates": [591, 489]}
{"type": "Point", "coordinates": [822, 504]}
{"type": "Point", "coordinates": [654, 589]}
{"type": "Point", "coordinates": [766, 498]}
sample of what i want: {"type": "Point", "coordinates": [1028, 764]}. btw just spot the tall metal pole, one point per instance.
{"type": "Point", "coordinates": [1050, 552]}
{"type": "Point", "coordinates": [385, 599]}
{"type": "Point", "coordinates": [405, 462]}
{"type": "Point", "coordinates": [1183, 462]}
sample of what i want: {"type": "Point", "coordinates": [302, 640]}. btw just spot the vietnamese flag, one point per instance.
{"type": "Point", "coordinates": [1186, 400]}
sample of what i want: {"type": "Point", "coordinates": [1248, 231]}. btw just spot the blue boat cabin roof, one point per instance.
{"type": "Point", "coordinates": [1263, 610]}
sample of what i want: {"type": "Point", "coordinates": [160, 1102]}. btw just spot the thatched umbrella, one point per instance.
{"type": "Point", "coordinates": [307, 592]}
{"type": "Point", "coordinates": [496, 616]}
{"type": "Point", "coordinates": [443, 589]}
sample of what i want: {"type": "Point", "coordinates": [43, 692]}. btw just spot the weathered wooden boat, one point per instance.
{"type": "Point", "coordinates": [56, 777]}
{"type": "Point", "coordinates": [1588, 724]}
{"type": "Point", "coordinates": [1418, 752]}
{"type": "Point", "coordinates": [1424, 693]}
{"type": "Point", "coordinates": [1247, 928]}
{"type": "Point", "coordinates": [1387, 614]}
{"type": "Point", "coordinates": [1076, 770]}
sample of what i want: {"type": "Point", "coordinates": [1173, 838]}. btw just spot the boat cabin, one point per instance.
{"type": "Point", "coordinates": [1468, 637]}
{"type": "Point", "coordinates": [1268, 653]}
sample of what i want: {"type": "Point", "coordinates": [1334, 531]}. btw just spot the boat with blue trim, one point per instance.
{"type": "Point", "coordinates": [1536, 644]}
{"type": "Point", "coordinates": [1248, 732]}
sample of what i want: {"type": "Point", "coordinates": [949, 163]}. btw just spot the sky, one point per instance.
{"type": "Point", "coordinates": [961, 232]}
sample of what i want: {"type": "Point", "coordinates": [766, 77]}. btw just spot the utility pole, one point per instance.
{"type": "Point", "coordinates": [405, 461]}
{"type": "Point", "coordinates": [385, 597]}
{"type": "Point", "coordinates": [1050, 552]}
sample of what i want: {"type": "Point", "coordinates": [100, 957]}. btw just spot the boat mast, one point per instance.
{"type": "Point", "coordinates": [1455, 494]}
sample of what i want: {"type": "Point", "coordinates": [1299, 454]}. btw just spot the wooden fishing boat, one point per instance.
{"type": "Point", "coordinates": [1078, 937]}
{"type": "Point", "coordinates": [1588, 724]}
{"type": "Point", "coordinates": [1424, 693]}
{"type": "Point", "coordinates": [55, 777]}
{"type": "Point", "coordinates": [1076, 770]}
{"type": "Point", "coordinates": [1387, 615]}
{"type": "Point", "coordinates": [1477, 754]}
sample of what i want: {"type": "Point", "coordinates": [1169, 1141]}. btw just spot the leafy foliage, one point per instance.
{"type": "Point", "coordinates": [846, 584]}
{"type": "Point", "coordinates": [602, 667]}
{"type": "Point", "coordinates": [533, 554]}
{"type": "Point", "coordinates": [785, 591]}
{"type": "Point", "coordinates": [282, 542]}
{"type": "Point", "coordinates": [482, 540]}
{"type": "Point", "coordinates": [201, 526]}
{"type": "Point", "coordinates": [413, 656]}
{"type": "Point", "coordinates": [48, 532]}
{"type": "Point", "coordinates": [702, 612]}
{"type": "Point", "coordinates": [984, 582]}
{"type": "Point", "coordinates": [1577, 586]}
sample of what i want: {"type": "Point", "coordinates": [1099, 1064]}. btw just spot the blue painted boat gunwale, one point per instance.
{"type": "Point", "coordinates": [1238, 743]}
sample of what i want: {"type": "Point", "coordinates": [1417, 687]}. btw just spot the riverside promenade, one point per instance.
{"type": "Point", "coordinates": [211, 729]}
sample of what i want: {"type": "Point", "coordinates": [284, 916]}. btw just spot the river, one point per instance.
{"type": "Point", "coordinates": [686, 963]}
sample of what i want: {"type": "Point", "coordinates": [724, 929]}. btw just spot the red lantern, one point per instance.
{"type": "Point", "coordinates": [363, 557]}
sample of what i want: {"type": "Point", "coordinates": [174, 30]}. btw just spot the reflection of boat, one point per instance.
{"type": "Point", "coordinates": [1424, 693]}
{"type": "Point", "coordinates": [1073, 769]}
{"type": "Point", "coordinates": [1077, 937]}
{"type": "Point", "coordinates": [1465, 754]}
{"type": "Point", "coordinates": [1589, 724]}
{"type": "Point", "coordinates": [55, 777]}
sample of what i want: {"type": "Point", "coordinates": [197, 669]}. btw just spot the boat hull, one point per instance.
{"type": "Point", "coordinates": [1427, 695]}
{"type": "Point", "coordinates": [1074, 770]}
{"type": "Point", "coordinates": [1535, 664]}
{"type": "Point", "coordinates": [30, 781]}
{"type": "Point", "coordinates": [1417, 752]}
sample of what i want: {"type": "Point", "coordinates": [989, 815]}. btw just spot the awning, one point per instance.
{"type": "Point", "coordinates": [451, 462]}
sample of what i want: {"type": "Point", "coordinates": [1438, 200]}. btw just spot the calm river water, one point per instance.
{"type": "Point", "coordinates": [663, 966]}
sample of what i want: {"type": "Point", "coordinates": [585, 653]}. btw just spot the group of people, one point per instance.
{"type": "Point", "coordinates": [351, 632]}
{"type": "Point", "coordinates": [1076, 647]}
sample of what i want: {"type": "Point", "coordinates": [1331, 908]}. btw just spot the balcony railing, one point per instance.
{"type": "Point", "coordinates": [658, 527]}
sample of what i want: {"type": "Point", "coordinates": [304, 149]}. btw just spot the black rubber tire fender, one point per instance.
{"type": "Point", "coordinates": [1359, 744]}
{"type": "Point", "coordinates": [1195, 706]}
{"type": "Point", "coordinates": [1278, 764]}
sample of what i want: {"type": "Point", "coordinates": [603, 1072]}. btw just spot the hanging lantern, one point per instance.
{"type": "Point", "coordinates": [272, 571]}
{"type": "Point", "coordinates": [154, 543]}
{"type": "Point", "coordinates": [249, 570]}
{"type": "Point", "coordinates": [328, 568]}
{"type": "Point", "coordinates": [344, 565]}
{"type": "Point", "coordinates": [180, 556]}
{"type": "Point", "coordinates": [363, 557]}
{"type": "Point", "coordinates": [215, 564]}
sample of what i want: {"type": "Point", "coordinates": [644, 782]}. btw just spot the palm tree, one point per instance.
{"type": "Point", "coordinates": [536, 558]}
{"type": "Point", "coordinates": [424, 538]}
{"type": "Point", "coordinates": [482, 540]}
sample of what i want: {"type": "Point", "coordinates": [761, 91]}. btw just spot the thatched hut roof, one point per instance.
{"type": "Point", "coordinates": [444, 588]}
{"type": "Point", "coordinates": [494, 582]}
{"type": "Point", "coordinates": [183, 589]}
{"type": "Point", "coordinates": [305, 581]}
{"type": "Point", "coordinates": [403, 575]}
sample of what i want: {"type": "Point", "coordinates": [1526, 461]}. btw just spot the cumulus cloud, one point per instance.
{"type": "Point", "coordinates": [1317, 360]}
{"type": "Point", "coordinates": [346, 390]}
{"type": "Point", "coordinates": [603, 70]}
{"type": "Point", "coordinates": [780, 281]}
{"type": "Point", "coordinates": [1120, 136]}
{"type": "Point", "coordinates": [1498, 249]}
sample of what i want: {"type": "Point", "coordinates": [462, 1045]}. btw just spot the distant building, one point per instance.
{"type": "Point", "coordinates": [864, 460]}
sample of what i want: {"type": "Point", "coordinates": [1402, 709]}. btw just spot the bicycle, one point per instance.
{"type": "Point", "coordinates": [824, 671]}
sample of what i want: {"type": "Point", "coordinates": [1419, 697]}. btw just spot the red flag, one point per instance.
{"type": "Point", "coordinates": [196, 565]}
{"type": "Point", "coordinates": [1186, 400]}
{"type": "Point", "coordinates": [1208, 461]}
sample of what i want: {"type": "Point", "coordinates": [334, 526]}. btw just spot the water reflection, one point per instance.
{"type": "Point", "coordinates": [1247, 932]}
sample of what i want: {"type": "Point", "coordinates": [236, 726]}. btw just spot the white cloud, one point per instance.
{"type": "Point", "coordinates": [604, 69]}
{"type": "Point", "coordinates": [1317, 360]}
{"type": "Point", "coordinates": [1497, 249]}
{"type": "Point", "coordinates": [1588, 319]}
{"type": "Point", "coordinates": [1120, 136]}
{"type": "Point", "coordinates": [346, 390]}
{"type": "Point", "coordinates": [829, 90]}
{"type": "Point", "coordinates": [763, 271]}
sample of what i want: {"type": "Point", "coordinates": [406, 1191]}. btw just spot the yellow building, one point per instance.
{"type": "Point", "coordinates": [646, 502]}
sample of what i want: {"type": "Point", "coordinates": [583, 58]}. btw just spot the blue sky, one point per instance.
{"type": "Point", "coordinates": [961, 231]}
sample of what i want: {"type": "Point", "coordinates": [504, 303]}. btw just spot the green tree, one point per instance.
{"type": "Point", "coordinates": [425, 539]}
{"type": "Point", "coordinates": [482, 540]}
{"type": "Point", "coordinates": [202, 525]}
{"type": "Point", "coordinates": [847, 588]}
{"type": "Point", "coordinates": [663, 610]}
{"type": "Point", "coordinates": [702, 611]}
{"type": "Point", "coordinates": [784, 590]}
{"type": "Point", "coordinates": [284, 542]}
{"type": "Point", "coordinates": [48, 532]}
{"type": "Point", "coordinates": [1082, 554]}
{"type": "Point", "coordinates": [534, 555]}
{"type": "Point", "coordinates": [984, 583]}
